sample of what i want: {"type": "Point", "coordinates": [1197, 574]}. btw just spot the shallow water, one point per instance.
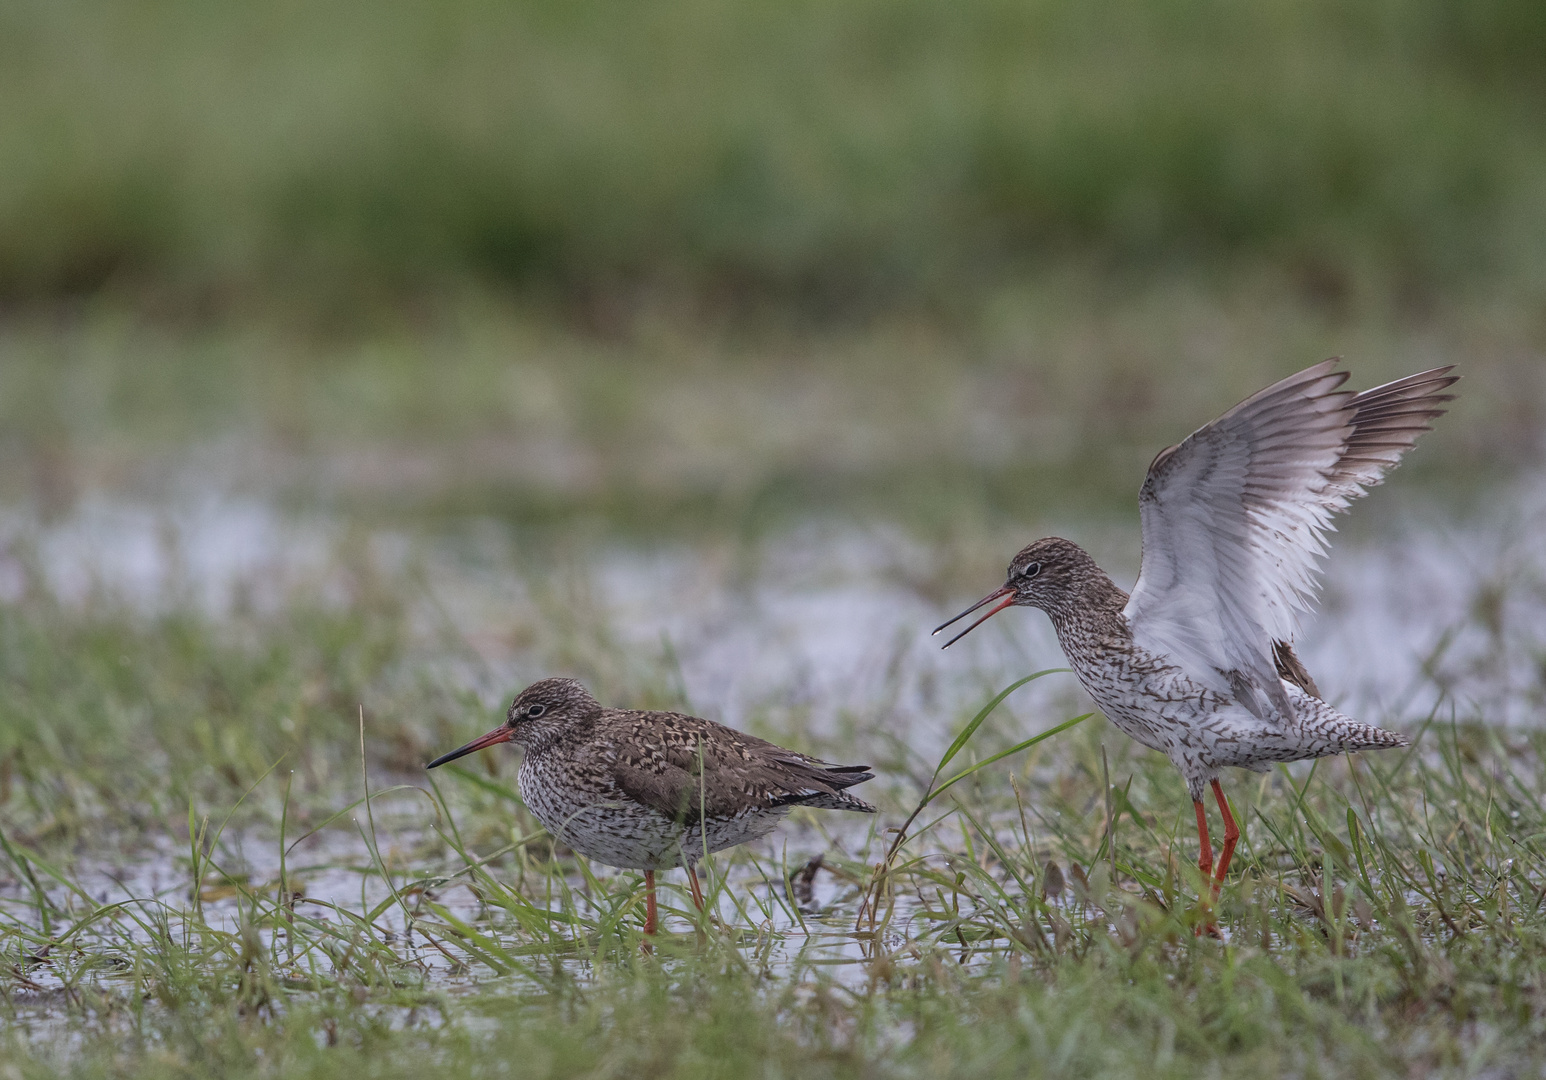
{"type": "Point", "coordinates": [823, 628]}
{"type": "Point", "coordinates": [121, 901]}
{"type": "Point", "coordinates": [829, 620]}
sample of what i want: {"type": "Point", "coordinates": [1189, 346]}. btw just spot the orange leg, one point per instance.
{"type": "Point", "coordinates": [650, 915]}
{"type": "Point", "coordinates": [697, 888]}
{"type": "Point", "coordinates": [1231, 835]}
{"type": "Point", "coordinates": [1205, 864]}
{"type": "Point", "coordinates": [1205, 860]}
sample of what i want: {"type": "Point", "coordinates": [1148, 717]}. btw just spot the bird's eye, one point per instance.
{"type": "Point", "coordinates": [1031, 571]}
{"type": "Point", "coordinates": [534, 711]}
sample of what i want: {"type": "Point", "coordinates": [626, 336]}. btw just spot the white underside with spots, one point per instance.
{"type": "Point", "coordinates": [1200, 729]}
{"type": "Point", "coordinates": [601, 823]}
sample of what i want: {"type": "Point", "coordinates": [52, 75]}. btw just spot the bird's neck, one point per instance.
{"type": "Point", "coordinates": [1091, 610]}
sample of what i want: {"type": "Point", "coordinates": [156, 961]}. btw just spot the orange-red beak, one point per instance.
{"type": "Point", "coordinates": [498, 735]}
{"type": "Point", "coordinates": [1006, 594]}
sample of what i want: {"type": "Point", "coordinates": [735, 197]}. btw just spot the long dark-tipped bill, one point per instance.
{"type": "Point", "coordinates": [1006, 594]}
{"type": "Point", "coordinates": [498, 735]}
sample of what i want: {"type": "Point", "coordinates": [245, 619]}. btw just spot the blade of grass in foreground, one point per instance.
{"type": "Point", "coordinates": [935, 789]}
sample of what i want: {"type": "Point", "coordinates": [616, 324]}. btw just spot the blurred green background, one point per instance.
{"type": "Point", "coordinates": [637, 259]}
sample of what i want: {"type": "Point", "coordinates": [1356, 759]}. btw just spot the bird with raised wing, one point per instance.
{"type": "Point", "coordinates": [1198, 662]}
{"type": "Point", "coordinates": [653, 790]}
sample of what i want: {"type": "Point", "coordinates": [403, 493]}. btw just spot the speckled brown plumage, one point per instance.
{"type": "Point", "coordinates": [1159, 703]}
{"type": "Point", "coordinates": [654, 790]}
{"type": "Point", "coordinates": [1197, 662]}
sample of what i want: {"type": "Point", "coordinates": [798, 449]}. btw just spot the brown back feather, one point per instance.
{"type": "Point", "coordinates": [683, 766]}
{"type": "Point", "coordinates": [1290, 668]}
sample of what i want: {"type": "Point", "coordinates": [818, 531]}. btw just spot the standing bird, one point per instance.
{"type": "Point", "coordinates": [1198, 661]}
{"type": "Point", "coordinates": [652, 790]}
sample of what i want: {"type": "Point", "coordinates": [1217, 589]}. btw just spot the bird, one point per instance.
{"type": "Point", "coordinates": [1198, 661]}
{"type": "Point", "coordinates": [654, 790]}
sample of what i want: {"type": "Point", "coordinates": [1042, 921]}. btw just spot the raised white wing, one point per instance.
{"type": "Point", "coordinates": [1235, 517]}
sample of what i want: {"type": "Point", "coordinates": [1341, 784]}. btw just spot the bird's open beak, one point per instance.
{"type": "Point", "coordinates": [1006, 594]}
{"type": "Point", "coordinates": [498, 735]}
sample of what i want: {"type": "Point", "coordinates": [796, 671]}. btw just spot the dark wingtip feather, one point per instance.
{"type": "Point", "coordinates": [1387, 421]}
{"type": "Point", "coordinates": [844, 776]}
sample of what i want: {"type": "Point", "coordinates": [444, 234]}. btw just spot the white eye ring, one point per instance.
{"type": "Point", "coordinates": [1031, 571]}
{"type": "Point", "coordinates": [534, 711]}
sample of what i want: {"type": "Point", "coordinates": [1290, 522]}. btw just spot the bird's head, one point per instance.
{"type": "Point", "coordinates": [542, 710]}
{"type": "Point", "coordinates": [1044, 575]}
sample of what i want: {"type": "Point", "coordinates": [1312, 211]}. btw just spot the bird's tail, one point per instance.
{"type": "Point", "coordinates": [1356, 736]}
{"type": "Point", "coordinates": [837, 800]}
{"type": "Point", "coordinates": [1329, 732]}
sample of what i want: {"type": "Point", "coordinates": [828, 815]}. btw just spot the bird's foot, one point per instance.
{"type": "Point", "coordinates": [1206, 916]}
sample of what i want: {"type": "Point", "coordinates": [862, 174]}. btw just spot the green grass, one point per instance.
{"type": "Point", "coordinates": [692, 277]}
{"type": "Point", "coordinates": [1385, 915]}
{"type": "Point", "coordinates": [832, 156]}
{"type": "Point", "coordinates": [1049, 399]}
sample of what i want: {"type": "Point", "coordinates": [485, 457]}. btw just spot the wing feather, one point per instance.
{"type": "Point", "coordinates": [684, 766]}
{"type": "Point", "coordinates": [1235, 520]}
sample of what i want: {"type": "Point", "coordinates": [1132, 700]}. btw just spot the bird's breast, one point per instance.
{"type": "Point", "coordinates": [583, 808]}
{"type": "Point", "coordinates": [1148, 698]}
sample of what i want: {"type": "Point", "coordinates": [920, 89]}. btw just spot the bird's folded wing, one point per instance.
{"type": "Point", "coordinates": [673, 792]}
{"type": "Point", "coordinates": [725, 771]}
{"type": "Point", "coordinates": [1235, 517]}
